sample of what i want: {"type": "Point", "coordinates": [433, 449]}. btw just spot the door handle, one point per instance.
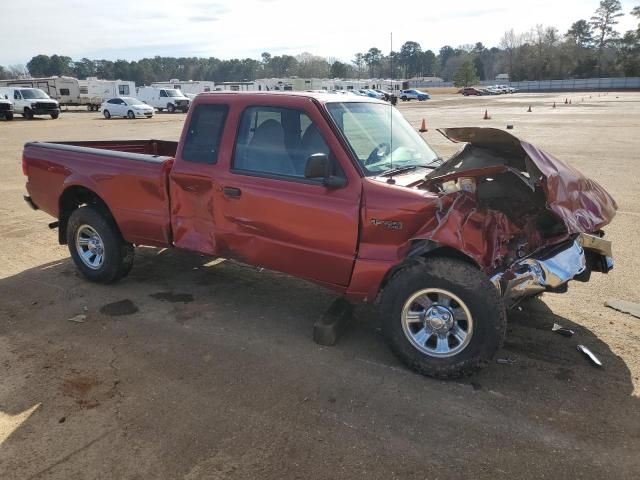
{"type": "Point", "coordinates": [232, 192]}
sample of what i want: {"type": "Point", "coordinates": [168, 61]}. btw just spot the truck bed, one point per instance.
{"type": "Point", "coordinates": [130, 176]}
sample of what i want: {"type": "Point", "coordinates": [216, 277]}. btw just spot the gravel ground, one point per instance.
{"type": "Point", "coordinates": [192, 369]}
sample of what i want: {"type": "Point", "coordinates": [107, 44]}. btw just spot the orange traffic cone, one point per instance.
{"type": "Point", "coordinates": [554, 104]}
{"type": "Point", "coordinates": [529, 111]}
{"type": "Point", "coordinates": [486, 115]}
{"type": "Point", "coordinates": [423, 127]}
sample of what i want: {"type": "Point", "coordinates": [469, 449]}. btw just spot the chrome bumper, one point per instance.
{"type": "Point", "coordinates": [551, 270]}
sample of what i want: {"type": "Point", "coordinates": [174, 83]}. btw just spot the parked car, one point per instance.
{"type": "Point", "coordinates": [442, 251]}
{"type": "Point", "coordinates": [6, 108]}
{"type": "Point", "coordinates": [412, 94]}
{"type": "Point", "coordinates": [126, 107]}
{"type": "Point", "coordinates": [466, 91]}
{"type": "Point", "coordinates": [161, 98]}
{"type": "Point", "coordinates": [493, 90]}
{"type": "Point", "coordinates": [30, 102]}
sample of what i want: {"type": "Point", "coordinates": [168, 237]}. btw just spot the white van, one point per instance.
{"type": "Point", "coordinates": [162, 98]}
{"type": "Point", "coordinates": [29, 102]}
{"type": "Point", "coordinates": [6, 108]}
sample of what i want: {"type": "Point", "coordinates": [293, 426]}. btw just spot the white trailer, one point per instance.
{"type": "Point", "coordinates": [94, 91]}
{"type": "Point", "coordinates": [66, 90]}
{"type": "Point", "coordinates": [187, 87]}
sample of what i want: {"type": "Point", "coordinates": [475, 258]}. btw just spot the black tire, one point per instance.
{"type": "Point", "coordinates": [467, 283]}
{"type": "Point", "coordinates": [118, 254]}
{"type": "Point", "coordinates": [54, 116]}
{"type": "Point", "coordinates": [28, 114]}
{"type": "Point", "coordinates": [106, 114]}
{"type": "Point", "coordinates": [131, 115]}
{"type": "Point", "coordinates": [8, 116]}
{"type": "Point", "coordinates": [171, 107]}
{"type": "Point", "coordinates": [403, 98]}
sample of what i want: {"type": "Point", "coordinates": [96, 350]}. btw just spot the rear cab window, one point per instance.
{"type": "Point", "coordinates": [204, 134]}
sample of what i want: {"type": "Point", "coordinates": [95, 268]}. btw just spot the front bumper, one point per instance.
{"type": "Point", "coordinates": [45, 111]}
{"type": "Point", "coordinates": [143, 114]}
{"type": "Point", "coordinates": [552, 269]}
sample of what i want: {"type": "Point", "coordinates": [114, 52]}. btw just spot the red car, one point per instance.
{"type": "Point", "coordinates": [326, 188]}
{"type": "Point", "coordinates": [471, 91]}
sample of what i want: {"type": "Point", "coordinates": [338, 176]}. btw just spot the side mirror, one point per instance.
{"type": "Point", "coordinates": [318, 166]}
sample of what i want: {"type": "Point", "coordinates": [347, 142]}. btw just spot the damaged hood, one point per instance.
{"type": "Point", "coordinates": [581, 203]}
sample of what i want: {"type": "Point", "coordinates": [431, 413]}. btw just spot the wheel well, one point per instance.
{"type": "Point", "coordinates": [71, 199]}
{"type": "Point", "coordinates": [420, 251]}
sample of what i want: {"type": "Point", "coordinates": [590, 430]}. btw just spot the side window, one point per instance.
{"type": "Point", "coordinates": [114, 101]}
{"type": "Point", "coordinates": [16, 95]}
{"type": "Point", "coordinates": [163, 93]}
{"type": "Point", "coordinates": [123, 89]}
{"type": "Point", "coordinates": [64, 91]}
{"type": "Point", "coordinates": [276, 141]}
{"type": "Point", "coordinates": [204, 134]}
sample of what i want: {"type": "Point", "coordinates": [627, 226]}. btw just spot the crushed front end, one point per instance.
{"type": "Point", "coordinates": [531, 222]}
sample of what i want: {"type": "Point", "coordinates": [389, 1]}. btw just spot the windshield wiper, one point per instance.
{"type": "Point", "coordinates": [395, 171]}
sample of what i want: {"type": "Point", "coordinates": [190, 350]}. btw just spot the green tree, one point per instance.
{"type": "Point", "coordinates": [373, 59]}
{"type": "Point", "coordinates": [466, 74]}
{"type": "Point", "coordinates": [358, 61]}
{"type": "Point", "coordinates": [338, 70]}
{"type": "Point", "coordinates": [602, 22]}
{"type": "Point", "coordinates": [410, 56]}
{"type": "Point", "coordinates": [39, 66]}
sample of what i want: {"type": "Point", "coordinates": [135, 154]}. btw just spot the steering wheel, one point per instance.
{"type": "Point", "coordinates": [377, 153]}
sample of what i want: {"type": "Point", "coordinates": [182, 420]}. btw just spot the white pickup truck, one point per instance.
{"type": "Point", "coordinates": [6, 108]}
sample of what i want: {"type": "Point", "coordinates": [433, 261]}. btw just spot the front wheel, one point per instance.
{"type": "Point", "coordinates": [8, 116]}
{"type": "Point", "coordinates": [54, 116]}
{"type": "Point", "coordinates": [28, 114]}
{"type": "Point", "coordinates": [171, 108]}
{"type": "Point", "coordinates": [106, 114]}
{"type": "Point", "coordinates": [442, 317]}
{"type": "Point", "coordinates": [97, 247]}
{"type": "Point", "coordinates": [131, 115]}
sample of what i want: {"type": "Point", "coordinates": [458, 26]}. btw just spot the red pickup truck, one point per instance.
{"type": "Point", "coordinates": [340, 190]}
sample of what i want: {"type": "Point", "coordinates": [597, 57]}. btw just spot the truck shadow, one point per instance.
{"type": "Point", "coordinates": [171, 289]}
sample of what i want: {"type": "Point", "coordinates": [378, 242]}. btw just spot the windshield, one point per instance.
{"type": "Point", "coordinates": [367, 128]}
{"type": "Point", "coordinates": [174, 93]}
{"type": "Point", "coordinates": [132, 101]}
{"type": "Point", "coordinates": [33, 93]}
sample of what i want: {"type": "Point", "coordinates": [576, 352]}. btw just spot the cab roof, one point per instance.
{"type": "Point", "coordinates": [327, 97]}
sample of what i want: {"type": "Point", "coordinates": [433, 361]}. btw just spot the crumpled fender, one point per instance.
{"type": "Point", "coordinates": [485, 235]}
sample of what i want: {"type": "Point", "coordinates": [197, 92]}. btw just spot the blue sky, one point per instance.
{"type": "Point", "coordinates": [132, 29]}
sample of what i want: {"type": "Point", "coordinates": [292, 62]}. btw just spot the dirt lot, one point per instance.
{"type": "Point", "coordinates": [209, 371]}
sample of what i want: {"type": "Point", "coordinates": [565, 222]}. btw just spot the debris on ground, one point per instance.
{"type": "Point", "coordinates": [560, 330]}
{"type": "Point", "coordinates": [78, 318]}
{"type": "Point", "coordinates": [624, 306]}
{"type": "Point", "coordinates": [506, 361]}
{"type": "Point", "coordinates": [590, 355]}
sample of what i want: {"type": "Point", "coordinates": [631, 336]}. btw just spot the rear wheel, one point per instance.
{"type": "Point", "coordinates": [106, 114]}
{"type": "Point", "coordinates": [130, 114]}
{"type": "Point", "coordinates": [97, 247]}
{"type": "Point", "coordinates": [442, 317]}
